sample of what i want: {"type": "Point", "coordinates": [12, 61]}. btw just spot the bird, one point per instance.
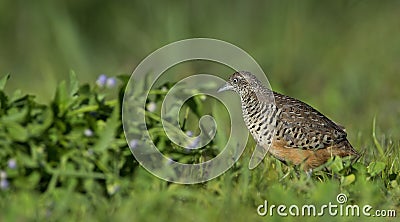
{"type": "Point", "coordinates": [290, 130]}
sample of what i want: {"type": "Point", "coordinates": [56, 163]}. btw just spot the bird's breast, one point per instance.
{"type": "Point", "coordinates": [261, 120]}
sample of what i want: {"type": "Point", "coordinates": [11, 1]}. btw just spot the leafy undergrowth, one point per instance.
{"type": "Point", "coordinates": [70, 161]}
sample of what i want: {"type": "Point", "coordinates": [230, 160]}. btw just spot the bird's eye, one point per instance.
{"type": "Point", "coordinates": [235, 80]}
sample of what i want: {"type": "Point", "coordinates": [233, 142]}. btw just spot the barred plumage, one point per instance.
{"type": "Point", "coordinates": [291, 130]}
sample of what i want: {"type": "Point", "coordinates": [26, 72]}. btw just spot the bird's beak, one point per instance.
{"type": "Point", "coordinates": [225, 87]}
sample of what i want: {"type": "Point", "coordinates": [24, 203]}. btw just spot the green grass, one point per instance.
{"type": "Point", "coordinates": [61, 173]}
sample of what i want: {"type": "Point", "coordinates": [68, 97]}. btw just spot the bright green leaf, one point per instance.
{"type": "Point", "coordinates": [375, 168]}
{"type": "Point", "coordinates": [348, 179]}
{"type": "Point", "coordinates": [337, 165]}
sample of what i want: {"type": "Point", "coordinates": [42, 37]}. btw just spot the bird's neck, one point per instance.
{"type": "Point", "coordinates": [258, 116]}
{"type": "Point", "coordinates": [248, 97]}
{"type": "Point", "coordinates": [249, 101]}
{"type": "Point", "coordinates": [251, 109]}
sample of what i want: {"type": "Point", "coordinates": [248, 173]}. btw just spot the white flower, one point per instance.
{"type": "Point", "coordinates": [151, 106]}
{"type": "Point", "coordinates": [88, 132]}
{"type": "Point", "coordinates": [3, 174]}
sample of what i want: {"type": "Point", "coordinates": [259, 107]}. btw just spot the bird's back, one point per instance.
{"type": "Point", "coordinates": [303, 126]}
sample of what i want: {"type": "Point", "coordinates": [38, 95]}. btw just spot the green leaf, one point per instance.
{"type": "Point", "coordinates": [17, 95]}
{"type": "Point", "coordinates": [16, 131]}
{"type": "Point", "coordinates": [73, 84]}
{"type": "Point", "coordinates": [337, 165]}
{"type": "Point", "coordinates": [65, 98]}
{"type": "Point", "coordinates": [106, 136]}
{"type": "Point", "coordinates": [3, 81]}
{"type": "Point", "coordinates": [348, 179]}
{"type": "Point", "coordinates": [45, 121]}
{"type": "Point", "coordinates": [61, 98]}
{"type": "Point", "coordinates": [375, 168]}
{"type": "Point", "coordinates": [27, 160]}
{"type": "Point", "coordinates": [29, 182]}
{"type": "Point", "coordinates": [376, 142]}
{"type": "Point", "coordinates": [360, 167]}
{"type": "Point", "coordinates": [15, 115]}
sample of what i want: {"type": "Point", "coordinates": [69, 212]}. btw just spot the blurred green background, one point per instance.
{"type": "Point", "coordinates": [342, 57]}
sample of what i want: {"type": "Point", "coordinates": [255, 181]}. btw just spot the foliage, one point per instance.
{"type": "Point", "coordinates": [69, 161]}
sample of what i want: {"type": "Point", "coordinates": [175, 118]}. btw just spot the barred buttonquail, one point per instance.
{"type": "Point", "coordinates": [290, 130]}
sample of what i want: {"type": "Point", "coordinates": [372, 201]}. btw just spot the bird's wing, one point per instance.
{"type": "Point", "coordinates": [304, 127]}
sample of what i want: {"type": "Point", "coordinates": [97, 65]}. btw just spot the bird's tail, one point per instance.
{"type": "Point", "coordinates": [348, 150]}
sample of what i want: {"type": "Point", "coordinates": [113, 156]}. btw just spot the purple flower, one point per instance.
{"type": "Point", "coordinates": [4, 184]}
{"type": "Point", "coordinates": [194, 143]}
{"type": "Point", "coordinates": [12, 163]}
{"type": "Point", "coordinates": [111, 82]}
{"type": "Point", "coordinates": [133, 143]}
{"type": "Point", "coordinates": [101, 80]}
{"type": "Point", "coordinates": [88, 132]}
{"type": "Point", "coordinates": [189, 133]}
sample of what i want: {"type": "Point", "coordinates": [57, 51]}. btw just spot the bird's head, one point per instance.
{"type": "Point", "coordinates": [247, 84]}
{"type": "Point", "coordinates": [241, 82]}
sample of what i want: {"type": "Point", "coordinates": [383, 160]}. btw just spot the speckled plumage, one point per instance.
{"type": "Point", "coordinates": [291, 130]}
